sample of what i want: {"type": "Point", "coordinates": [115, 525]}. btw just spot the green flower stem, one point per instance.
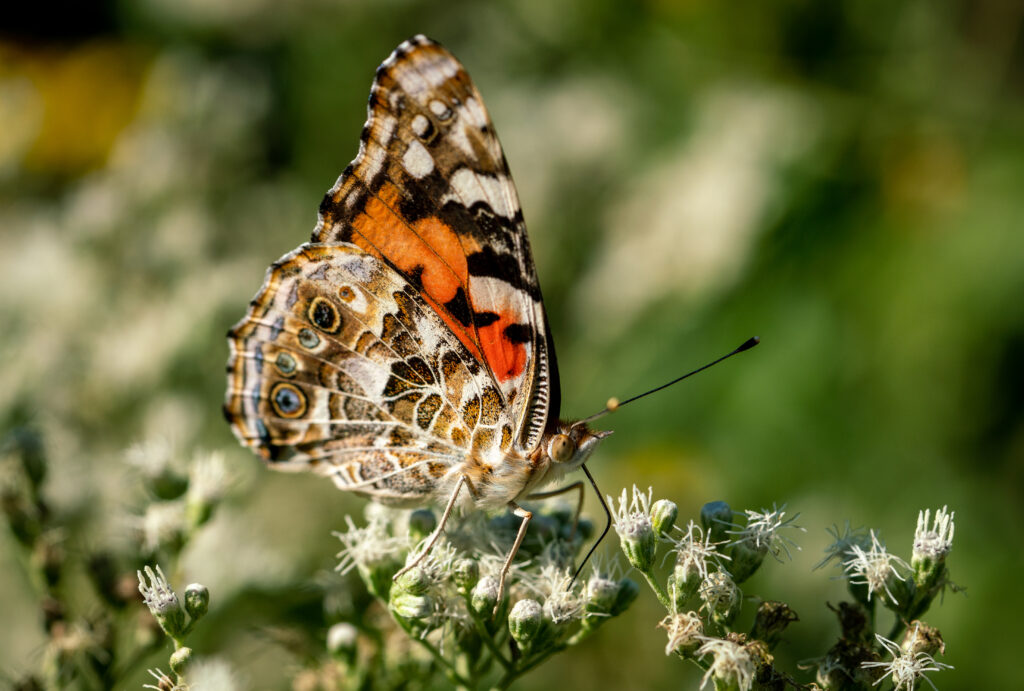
{"type": "Point", "coordinates": [659, 591]}
{"type": "Point", "coordinates": [453, 674]}
{"type": "Point", "coordinates": [513, 674]}
{"type": "Point", "coordinates": [481, 628]}
{"type": "Point", "coordinates": [896, 630]}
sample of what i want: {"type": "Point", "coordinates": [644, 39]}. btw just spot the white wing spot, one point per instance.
{"type": "Point", "coordinates": [417, 160]}
{"type": "Point", "coordinates": [469, 187]}
{"type": "Point", "coordinates": [440, 109]}
{"type": "Point", "coordinates": [420, 125]}
{"type": "Point", "coordinates": [476, 112]}
{"type": "Point", "coordinates": [373, 158]}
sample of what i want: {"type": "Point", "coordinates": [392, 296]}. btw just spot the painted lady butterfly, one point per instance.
{"type": "Point", "coordinates": [404, 352]}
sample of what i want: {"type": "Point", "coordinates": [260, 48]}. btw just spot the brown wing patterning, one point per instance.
{"type": "Point", "coordinates": [430, 193]}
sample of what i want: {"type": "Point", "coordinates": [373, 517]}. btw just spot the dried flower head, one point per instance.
{"type": "Point", "coordinates": [685, 632]}
{"type": "Point", "coordinates": [732, 663]}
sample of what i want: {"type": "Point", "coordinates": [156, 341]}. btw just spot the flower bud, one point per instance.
{"type": "Point", "coordinates": [746, 559]}
{"type": "Point", "coordinates": [409, 598]}
{"type": "Point", "coordinates": [341, 641]}
{"type": "Point", "coordinates": [525, 622]}
{"type": "Point", "coordinates": [721, 597]}
{"type": "Point", "coordinates": [903, 591]}
{"type": "Point", "coordinates": [628, 591]}
{"type": "Point", "coordinates": [422, 523]}
{"type": "Point", "coordinates": [484, 597]}
{"type": "Point", "coordinates": [771, 620]}
{"type": "Point", "coordinates": [180, 659]}
{"type": "Point", "coordinates": [683, 583]}
{"type": "Point", "coordinates": [466, 574]}
{"type": "Point", "coordinates": [197, 600]}
{"type": "Point", "coordinates": [663, 516]}
{"type": "Point", "coordinates": [410, 606]}
{"type": "Point", "coordinates": [601, 594]}
{"type": "Point", "coordinates": [716, 518]}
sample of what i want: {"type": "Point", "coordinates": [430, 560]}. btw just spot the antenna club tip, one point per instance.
{"type": "Point", "coordinates": [612, 405]}
{"type": "Point", "coordinates": [748, 344]}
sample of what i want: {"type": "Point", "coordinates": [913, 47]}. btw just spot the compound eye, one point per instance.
{"type": "Point", "coordinates": [561, 448]}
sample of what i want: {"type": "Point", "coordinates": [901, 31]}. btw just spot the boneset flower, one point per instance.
{"type": "Point", "coordinates": [875, 568]}
{"type": "Point", "coordinates": [161, 600]}
{"type": "Point", "coordinates": [931, 545]}
{"type": "Point", "coordinates": [720, 596]}
{"type": "Point", "coordinates": [375, 553]}
{"type": "Point", "coordinates": [632, 520]}
{"type": "Point", "coordinates": [905, 668]}
{"type": "Point", "coordinates": [693, 552]}
{"type": "Point", "coordinates": [759, 537]}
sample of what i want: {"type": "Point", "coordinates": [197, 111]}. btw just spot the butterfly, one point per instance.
{"type": "Point", "coordinates": [404, 352]}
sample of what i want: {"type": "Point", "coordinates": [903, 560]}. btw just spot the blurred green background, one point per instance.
{"type": "Point", "coordinates": [844, 179]}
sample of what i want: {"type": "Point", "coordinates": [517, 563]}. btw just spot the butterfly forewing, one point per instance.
{"type": "Point", "coordinates": [431, 194]}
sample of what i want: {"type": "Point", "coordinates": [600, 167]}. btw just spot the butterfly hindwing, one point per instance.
{"type": "Point", "coordinates": [339, 366]}
{"type": "Point", "coordinates": [430, 194]}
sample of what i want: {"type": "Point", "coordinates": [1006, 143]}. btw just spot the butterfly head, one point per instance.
{"type": "Point", "coordinates": [568, 446]}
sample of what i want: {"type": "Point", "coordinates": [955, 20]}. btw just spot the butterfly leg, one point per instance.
{"type": "Point", "coordinates": [434, 536]}
{"type": "Point", "coordinates": [526, 516]}
{"type": "Point", "coordinates": [578, 486]}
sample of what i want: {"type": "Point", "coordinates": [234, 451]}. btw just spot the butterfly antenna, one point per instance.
{"type": "Point", "coordinates": [614, 403]}
{"type": "Point", "coordinates": [608, 526]}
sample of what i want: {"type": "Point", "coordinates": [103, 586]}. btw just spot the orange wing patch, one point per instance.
{"type": "Point", "coordinates": [428, 248]}
{"type": "Point", "coordinates": [506, 356]}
